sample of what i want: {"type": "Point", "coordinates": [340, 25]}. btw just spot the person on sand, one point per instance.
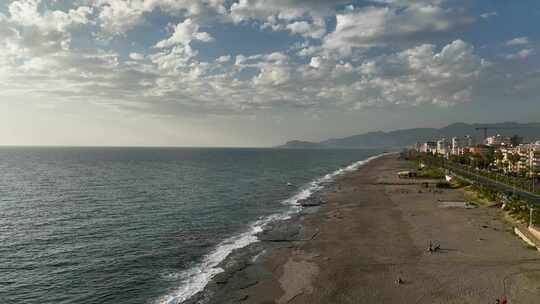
{"type": "Point", "coordinates": [430, 247]}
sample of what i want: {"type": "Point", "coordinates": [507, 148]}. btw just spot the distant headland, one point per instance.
{"type": "Point", "coordinates": [408, 137]}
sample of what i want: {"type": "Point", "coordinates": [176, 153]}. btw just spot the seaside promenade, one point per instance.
{"type": "Point", "coordinates": [474, 178]}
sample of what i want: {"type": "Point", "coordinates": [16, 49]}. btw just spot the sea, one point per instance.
{"type": "Point", "coordinates": [142, 225]}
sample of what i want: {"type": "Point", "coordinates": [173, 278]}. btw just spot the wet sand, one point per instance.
{"type": "Point", "coordinates": [373, 229]}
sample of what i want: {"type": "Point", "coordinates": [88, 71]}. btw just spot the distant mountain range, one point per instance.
{"type": "Point", "coordinates": [408, 137]}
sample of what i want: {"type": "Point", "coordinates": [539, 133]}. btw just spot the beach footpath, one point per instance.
{"type": "Point", "coordinates": [378, 238]}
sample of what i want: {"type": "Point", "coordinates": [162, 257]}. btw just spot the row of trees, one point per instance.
{"type": "Point", "coordinates": [487, 160]}
{"type": "Point", "coordinates": [516, 204]}
{"type": "Point", "coordinates": [482, 161]}
{"type": "Point", "coordinates": [470, 161]}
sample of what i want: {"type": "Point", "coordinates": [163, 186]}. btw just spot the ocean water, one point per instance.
{"type": "Point", "coordinates": [141, 225]}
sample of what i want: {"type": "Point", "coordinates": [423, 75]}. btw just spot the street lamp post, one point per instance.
{"type": "Point", "coordinates": [531, 216]}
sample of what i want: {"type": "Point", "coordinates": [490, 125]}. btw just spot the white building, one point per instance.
{"type": "Point", "coordinates": [529, 158]}
{"type": "Point", "coordinates": [443, 146]}
{"type": "Point", "coordinates": [534, 160]}
{"type": "Point", "coordinates": [499, 140]}
{"type": "Point", "coordinates": [428, 147]}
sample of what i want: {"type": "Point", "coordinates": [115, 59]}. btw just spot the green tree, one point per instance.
{"type": "Point", "coordinates": [466, 158]}
{"type": "Point", "coordinates": [489, 158]}
{"type": "Point", "coordinates": [499, 157]}
{"type": "Point", "coordinates": [476, 159]}
{"type": "Point", "coordinates": [514, 158]}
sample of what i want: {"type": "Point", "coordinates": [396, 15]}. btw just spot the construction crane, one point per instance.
{"type": "Point", "coordinates": [485, 129]}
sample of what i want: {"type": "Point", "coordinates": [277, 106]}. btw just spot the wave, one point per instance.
{"type": "Point", "coordinates": [195, 279]}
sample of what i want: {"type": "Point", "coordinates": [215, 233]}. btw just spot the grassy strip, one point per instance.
{"type": "Point", "coordinates": [431, 173]}
{"type": "Point", "coordinates": [516, 208]}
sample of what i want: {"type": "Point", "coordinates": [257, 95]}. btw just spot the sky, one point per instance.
{"type": "Point", "coordinates": [259, 73]}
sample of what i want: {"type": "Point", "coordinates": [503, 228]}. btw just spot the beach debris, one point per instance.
{"type": "Point", "coordinates": [465, 205]}
{"type": "Point", "coordinates": [314, 235]}
{"type": "Point", "coordinates": [406, 174]}
{"type": "Point", "coordinates": [310, 202]}
{"type": "Point", "coordinates": [243, 297]}
{"type": "Point", "coordinates": [433, 248]}
{"type": "Point", "coordinates": [248, 284]}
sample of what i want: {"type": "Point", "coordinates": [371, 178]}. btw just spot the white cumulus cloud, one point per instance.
{"type": "Point", "coordinates": [379, 26]}
{"type": "Point", "coordinates": [136, 56]}
{"type": "Point", "coordinates": [183, 34]}
{"type": "Point", "coordinates": [223, 59]}
{"type": "Point", "coordinates": [316, 29]}
{"type": "Point", "coordinates": [39, 56]}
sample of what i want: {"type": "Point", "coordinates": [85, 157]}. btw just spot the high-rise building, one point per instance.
{"type": "Point", "coordinates": [443, 146]}
{"type": "Point", "coordinates": [458, 143]}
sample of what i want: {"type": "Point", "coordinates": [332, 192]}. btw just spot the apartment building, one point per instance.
{"type": "Point", "coordinates": [499, 140]}
{"type": "Point", "coordinates": [459, 143]}
{"type": "Point", "coordinates": [443, 146]}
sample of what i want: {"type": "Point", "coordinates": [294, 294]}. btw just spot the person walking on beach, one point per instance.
{"type": "Point", "coordinates": [504, 301]}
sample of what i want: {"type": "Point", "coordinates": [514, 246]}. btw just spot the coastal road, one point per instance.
{"type": "Point", "coordinates": [475, 178]}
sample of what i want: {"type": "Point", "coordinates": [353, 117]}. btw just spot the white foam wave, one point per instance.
{"type": "Point", "coordinates": [195, 279]}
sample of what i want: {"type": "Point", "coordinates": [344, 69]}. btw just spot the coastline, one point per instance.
{"type": "Point", "coordinates": [247, 248]}
{"type": "Point", "coordinates": [371, 230]}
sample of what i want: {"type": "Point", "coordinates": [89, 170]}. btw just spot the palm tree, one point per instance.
{"type": "Point", "coordinates": [499, 157]}
{"type": "Point", "coordinates": [489, 158]}
{"type": "Point", "coordinates": [476, 157]}
{"type": "Point", "coordinates": [514, 159]}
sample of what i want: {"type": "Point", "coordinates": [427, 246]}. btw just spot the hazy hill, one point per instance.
{"type": "Point", "coordinates": [407, 137]}
{"type": "Point", "coordinates": [298, 144]}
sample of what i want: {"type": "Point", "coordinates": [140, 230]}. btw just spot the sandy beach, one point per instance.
{"type": "Point", "coordinates": [374, 229]}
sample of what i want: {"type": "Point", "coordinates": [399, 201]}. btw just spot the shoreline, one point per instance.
{"type": "Point", "coordinates": [372, 230]}
{"type": "Point", "coordinates": [261, 237]}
